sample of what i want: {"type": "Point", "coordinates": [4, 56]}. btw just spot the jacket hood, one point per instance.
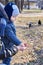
{"type": "Point", "coordinates": [3, 13]}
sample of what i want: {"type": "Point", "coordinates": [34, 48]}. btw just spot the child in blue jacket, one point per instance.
{"type": "Point", "coordinates": [10, 37]}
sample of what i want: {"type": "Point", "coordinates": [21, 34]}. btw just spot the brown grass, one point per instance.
{"type": "Point", "coordinates": [28, 54]}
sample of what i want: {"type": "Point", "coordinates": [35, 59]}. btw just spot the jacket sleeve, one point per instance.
{"type": "Point", "coordinates": [11, 36]}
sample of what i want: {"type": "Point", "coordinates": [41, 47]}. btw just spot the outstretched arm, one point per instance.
{"type": "Point", "coordinates": [11, 36]}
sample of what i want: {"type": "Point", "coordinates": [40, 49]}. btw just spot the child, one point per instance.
{"type": "Point", "coordinates": [10, 37]}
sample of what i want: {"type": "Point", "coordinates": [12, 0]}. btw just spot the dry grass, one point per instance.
{"type": "Point", "coordinates": [32, 11]}
{"type": "Point", "coordinates": [21, 24]}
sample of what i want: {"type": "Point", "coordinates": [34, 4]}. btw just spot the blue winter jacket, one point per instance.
{"type": "Point", "coordinates": [10, 37]}
{"type": "Point", "coordinates": [10, 32]}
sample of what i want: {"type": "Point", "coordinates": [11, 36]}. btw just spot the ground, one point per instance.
{"type": "Point", "coordinates": [33, 55]}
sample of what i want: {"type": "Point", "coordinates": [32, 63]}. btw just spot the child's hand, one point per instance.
{"type": "Point", "coordinates": [25, 44]}
{"type": "Point", "coordinates": [22, 46]}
